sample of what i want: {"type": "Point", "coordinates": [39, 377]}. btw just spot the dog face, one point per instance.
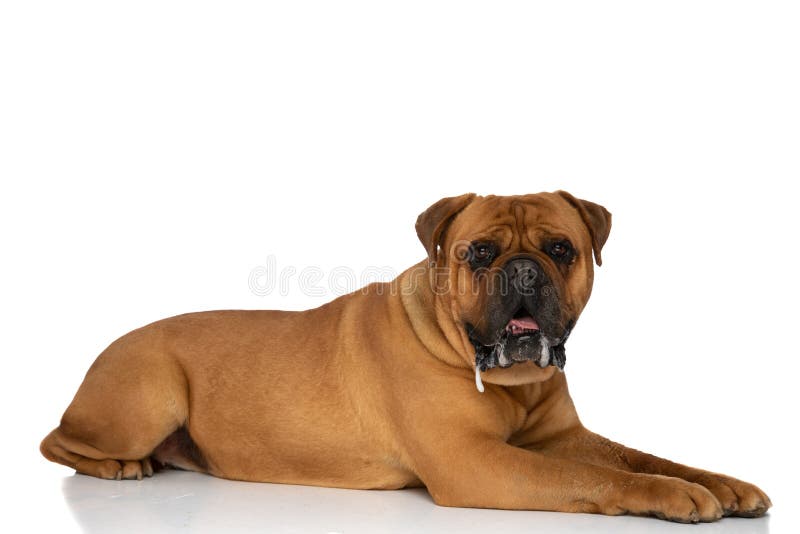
{"type": "Point", "coordinates": [514, 272]}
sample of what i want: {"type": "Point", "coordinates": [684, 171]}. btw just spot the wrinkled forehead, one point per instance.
{"type": "Point", "coordinates": [536, 217]}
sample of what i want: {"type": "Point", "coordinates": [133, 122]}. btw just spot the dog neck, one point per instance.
{"type": "Point", "coordinates": [433, 325]}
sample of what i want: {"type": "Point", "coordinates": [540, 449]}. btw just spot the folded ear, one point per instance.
{"type": "Point", "coordinates": [596, 218]}
{"type": "Point", "coordinates": [433, 222]}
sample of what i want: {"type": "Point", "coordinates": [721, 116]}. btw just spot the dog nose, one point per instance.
{"type": "Point", "coordinates": [523, 274]}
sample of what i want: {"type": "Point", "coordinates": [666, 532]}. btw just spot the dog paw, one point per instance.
{"type": "Point", "coordinates": [669, 498]}
{"type": "Point", "coordinates": [108, 469]}
{"type": "Point", "coordinates": [135, 469]}
{"type": "Point", "coordinates": [737, 498]}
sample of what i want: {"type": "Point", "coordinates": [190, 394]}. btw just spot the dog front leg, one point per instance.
{"type": "Point", "coordinates": [736, 497]}
{"type": "Point", "coordinates": [489, 473]}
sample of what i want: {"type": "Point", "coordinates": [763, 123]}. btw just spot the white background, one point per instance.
{"type": "Point", "coordinates": [152, 154]}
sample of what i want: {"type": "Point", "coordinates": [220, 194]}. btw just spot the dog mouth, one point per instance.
{"type": "Point", "coordinates": [521, 340]}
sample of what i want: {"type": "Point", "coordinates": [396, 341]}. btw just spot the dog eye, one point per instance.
{"type": "Point", "coordinates": [481, 254]}
{"type": "Point", "coordinates": [560, 250]}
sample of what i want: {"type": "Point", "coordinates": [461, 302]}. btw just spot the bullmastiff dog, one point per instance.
{"type": "Point", "coordinates": [449, 377]}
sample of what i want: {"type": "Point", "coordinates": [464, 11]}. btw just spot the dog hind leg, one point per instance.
{"type": "Point", "coordinates": [126, 406]}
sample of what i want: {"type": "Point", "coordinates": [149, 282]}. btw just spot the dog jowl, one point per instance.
{"type": "Point", "coordinates": [523, 320]}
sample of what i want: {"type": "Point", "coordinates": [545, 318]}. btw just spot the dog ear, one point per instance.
{"type": "Point", "coordinates": [433, 222]}
{"type": "Point", "coordinates": [596, 218]}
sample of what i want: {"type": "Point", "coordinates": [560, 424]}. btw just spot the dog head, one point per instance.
{"type": "Point", "coordinates": [513, 274]}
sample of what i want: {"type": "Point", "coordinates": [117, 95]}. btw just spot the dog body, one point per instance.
{"type": "Point", "coordinates": [384, 388]}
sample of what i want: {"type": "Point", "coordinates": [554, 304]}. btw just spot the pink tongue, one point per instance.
{"type": "Point", "coordinates": [522, 323]}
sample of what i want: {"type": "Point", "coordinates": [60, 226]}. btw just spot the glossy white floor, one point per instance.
{"type": "Point", "coordinates": [176, 501]}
